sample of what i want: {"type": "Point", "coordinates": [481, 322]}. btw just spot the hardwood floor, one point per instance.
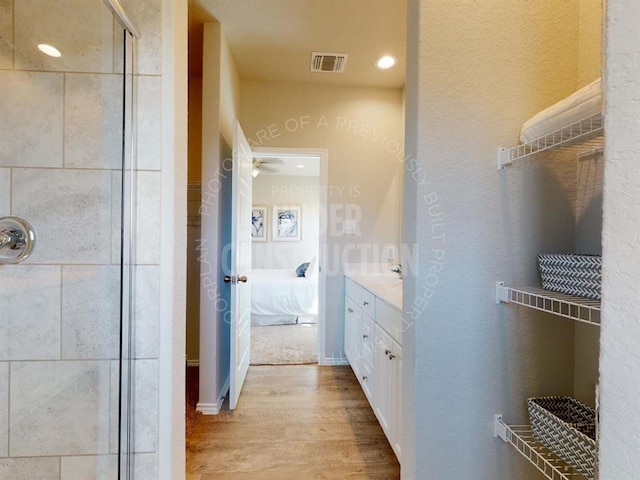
{"type": "Point", "coordinates": [293, 422]}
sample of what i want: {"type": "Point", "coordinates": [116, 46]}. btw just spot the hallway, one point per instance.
{"type": "Point", "coordinates": [302, 421]}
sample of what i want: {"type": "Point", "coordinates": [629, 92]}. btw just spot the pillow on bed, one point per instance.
{"type": "Point", "coordinates": [302, 269]}
{"type": "Point", "coordinates": [313, 268]}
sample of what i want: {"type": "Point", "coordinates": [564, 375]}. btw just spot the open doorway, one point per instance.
{"type": "Point", "coordinates": [287, 305]}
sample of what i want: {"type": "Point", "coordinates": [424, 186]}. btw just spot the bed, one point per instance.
{"type": "Point", "coordinates": [281, 297]}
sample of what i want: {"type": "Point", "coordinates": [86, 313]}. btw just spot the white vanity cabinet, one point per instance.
{"type": "Point", "coordinates": [373, 346]}
{"type": "Point", "coordinates": [352, 327]}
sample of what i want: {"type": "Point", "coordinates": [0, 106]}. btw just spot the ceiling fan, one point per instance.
{"type": "Point", "coordinates": [265, 165]}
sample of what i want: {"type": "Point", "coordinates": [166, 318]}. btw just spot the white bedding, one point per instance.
{"type": "Point", "coordinates": [582, 104]}
{"type": "Point", "coordinates": [281, 292]}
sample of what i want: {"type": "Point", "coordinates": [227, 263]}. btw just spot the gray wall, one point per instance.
{"type": "Point", "coordinates": [479, 73]}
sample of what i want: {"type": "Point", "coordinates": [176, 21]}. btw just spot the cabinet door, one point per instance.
{"type": "Point", "coordinates": [352, 334]}
{"type": "Point", "coordinates": [367, 379]}
{"type": "Point", "coordinates": [382, 380]}
{"type": "Point", "coordinates": [367, 338]}
{"type": "Point", "coordinates": [396, 399]}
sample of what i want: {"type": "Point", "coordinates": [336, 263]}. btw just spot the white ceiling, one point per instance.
{"type": "Point", "coordinates": [273, 39]}
{"type": "Point", "coordinates": [288, 165]}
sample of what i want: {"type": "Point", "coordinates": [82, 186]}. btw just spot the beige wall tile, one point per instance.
{"type": "Point", "coordinates": [30, 119]}
{"type": "Point", "coordinates": [149, 123]}
{"type": "Point", "coordinates": [145, 466]}
{"type": "Point", "coordinates": [30, 325]}
{"type": "Point", "coordinates": [146, 311]}
{"type": "Point", "coordinates": [30, 468]}
{"type": "Point", "coordinates": [90, 312]}
{"type": "Point", "coordinates": [93, 121]}
{"type": "Point", "coordinates": [5, 191]}
{"type": "Point", "coordinates": [82, 31]}
{"type": "Point", "coordinates": [59, 408]}
{"type": "Point", "coordinates": [4, 409]}
{"type": "Point", "coordinates": [6, 34]}
{"type": "Point", "coordinates": [147, 232]}
{"type": "Point", "coordinates": [70, 210]}
{"type": "Point", "coordinates": [145, 406]}
{"type": "Point", "coordinates": [99, 467]}
{"type": "Point", "coordinates": [147, 16]}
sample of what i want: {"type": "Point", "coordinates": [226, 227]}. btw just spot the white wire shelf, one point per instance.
{"type": "Point", "coordinates": [576, 308]}
{"type": "Point", "coordinates": [581, 136]}
{"type": "Point", "coordinates": [521, 438]}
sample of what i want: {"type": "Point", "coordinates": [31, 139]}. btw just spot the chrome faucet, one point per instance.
{"type": "Point", "coordinates": [398, 269]}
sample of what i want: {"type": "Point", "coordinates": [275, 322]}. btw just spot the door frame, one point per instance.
{"type": "Point", "coordinates": [323, 155]}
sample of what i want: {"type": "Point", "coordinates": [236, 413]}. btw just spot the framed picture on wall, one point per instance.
{"type": "Point", "coordinates": [259, 223]}
{"type": "Point", "coordinates": [287, 225]}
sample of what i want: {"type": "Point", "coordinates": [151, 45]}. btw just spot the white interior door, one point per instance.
{"type": "Point", "coordinates": [240, 264]}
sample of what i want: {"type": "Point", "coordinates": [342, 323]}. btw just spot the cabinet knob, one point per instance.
{"type": "Point", "coordinates": [364, 377]}
{"type": "Point", "coordinates": [365, 336]}
{"type": "Point", "coordinates": [387, 352]}
{"type": "Point", "coordinates": [350, 310]}
{"type": "Point", "coordinates": [391, 356]}
{"type": "Point", "coordinates": [366, 303]}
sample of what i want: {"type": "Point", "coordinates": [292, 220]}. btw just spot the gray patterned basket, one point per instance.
{"type": "Point", "coordinates": [567, 428]}
{"type": "Point", "coordinates": [573, 274]}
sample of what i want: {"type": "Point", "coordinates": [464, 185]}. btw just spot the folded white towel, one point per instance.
{"type": "Point", "coordinates": [585, 102]}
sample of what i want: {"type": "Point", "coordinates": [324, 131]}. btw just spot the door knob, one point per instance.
{"type": "Point", "coordinates": [242, 279]}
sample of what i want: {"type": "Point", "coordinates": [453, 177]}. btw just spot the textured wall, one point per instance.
{"type": "Point", "coordinates": [479, 75]}
{"type": "Point", "coordinates": [590, 171]}
{"type": "Point", "coordinates": [620, 342]}
{"type": "Point", "coordinates": [362, 128]}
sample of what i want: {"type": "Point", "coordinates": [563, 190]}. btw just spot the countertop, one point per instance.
{"type": "Point", "coordinates": [385, 286]}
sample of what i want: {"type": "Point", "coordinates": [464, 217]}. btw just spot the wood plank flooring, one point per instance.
{"type": "Point", "coordinates": [293, 422]}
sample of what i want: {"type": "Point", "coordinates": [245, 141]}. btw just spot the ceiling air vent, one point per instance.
{"type": "Point", "coordinates": [328, 62]}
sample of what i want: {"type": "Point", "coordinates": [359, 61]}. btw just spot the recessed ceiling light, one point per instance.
{"type": "Point", "coordinates": [300, 166]}
{"type": "Point", "coordinates": [49, 50]}
{"type": "Point", "coordinates": [387, 61]}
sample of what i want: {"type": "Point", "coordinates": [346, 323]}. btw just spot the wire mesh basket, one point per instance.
{"type": "Point", "coordinates": [567, 428]}
{"type": "Point", "coordinates": [573, 274]}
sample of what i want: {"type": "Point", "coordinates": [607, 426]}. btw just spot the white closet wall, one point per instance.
{"type": "Point", "coordinates": [482, 72]}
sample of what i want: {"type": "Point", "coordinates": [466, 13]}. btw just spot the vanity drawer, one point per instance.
{"type": "Point", "coordinates": [390, 319]}
{"type": "Point", "coordinates": [353, 291]}
{"type": "Point", "coordinates": [368, 303]}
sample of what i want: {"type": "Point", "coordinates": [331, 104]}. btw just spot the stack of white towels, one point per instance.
{"type": "Point", "coordinates": [584, 103]}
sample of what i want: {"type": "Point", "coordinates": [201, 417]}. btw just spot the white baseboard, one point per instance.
{"type": "Point", "coordinates": [193, 363]}
{"type": "Point", "coordinates": [334, 361]}
{"type": "Point", "coordinates": [214, 408]}
{"type": "Point", "coordinates": [210, 408]}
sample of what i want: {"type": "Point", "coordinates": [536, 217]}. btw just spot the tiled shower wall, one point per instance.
{"type": "Point", "coordinates": [60, 134]}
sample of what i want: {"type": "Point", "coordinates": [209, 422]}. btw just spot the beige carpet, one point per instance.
{"type": "Point", "coordinates": [284, 344]}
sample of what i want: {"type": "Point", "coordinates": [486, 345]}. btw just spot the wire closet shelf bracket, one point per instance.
{"type": "Point", "coordinates": [583, 136]}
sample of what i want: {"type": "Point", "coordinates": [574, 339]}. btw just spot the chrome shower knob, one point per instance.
{"type": "Point", "coordinates": [17, 240]}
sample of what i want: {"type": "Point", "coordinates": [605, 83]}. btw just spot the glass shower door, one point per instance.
{"type": "Point", "coordinates": [65, 142]}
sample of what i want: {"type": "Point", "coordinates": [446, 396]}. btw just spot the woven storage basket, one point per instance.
{"type": "Point", "coordinates": [573, 274]}
{"type": "Point", "coordinates": [567, 428]}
